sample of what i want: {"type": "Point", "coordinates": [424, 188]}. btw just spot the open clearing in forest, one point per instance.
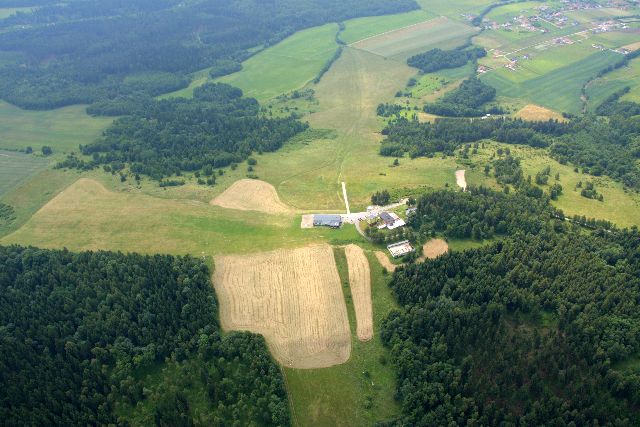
{"type": "Point", "coordinates": [434, 248]}
{"type": "Point", "coordinates": [536, 113]}
{"type": "Point", "coordinates": [402, 43]}
{"type": "Point", "coordinates": [360, 284]}
{"type": "Point", "coordinates": [293, 298]}
{"type": "Point", "coordinates": [62, 129]}
{"type": "Point", "coordinates": [461, 181]}
{"type": "Point", "coordinates": [287, 65]}
{"type": "Point", "coordinates": [251, 195]}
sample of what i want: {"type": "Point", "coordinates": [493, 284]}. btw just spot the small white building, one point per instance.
{"type": "Point", "coordinates": [400, 248]}
{"type": "Point", "coordinates": [390, 221]}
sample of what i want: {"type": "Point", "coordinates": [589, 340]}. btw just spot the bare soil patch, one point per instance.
{"type": "Point", "coordinates": [292, 297]}
{"type": "Point", "coordinates": [383, 259]}
{"type": "Point", "coordinates": [633, 46]}
{"type": "Point", "coordinates": [536, 113]}
{"type": "Point", "coordinates": [461, 180]}
{"type": "Point", "coordinates": [251, 195]}
{"type": "Point", "coordinates": [307, 221]}
{"type": "Point", "coordinates": [360, 283]}
{"type": "Point", "coordinates": [434, 248]}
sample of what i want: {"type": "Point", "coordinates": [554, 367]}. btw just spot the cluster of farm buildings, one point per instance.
{"type": "Point", "coordinates": [374, 217]}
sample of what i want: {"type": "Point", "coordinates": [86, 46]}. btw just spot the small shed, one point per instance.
{"type": "Point", "coordinates": [325, 220]}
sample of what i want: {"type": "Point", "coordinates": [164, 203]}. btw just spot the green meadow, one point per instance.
{"type": "Point", "coordinates": [62, 129]}
{"type": "Point", "coordinates": [289, 65]}
{"type": "Point", "coordinates": [361, 28]}
{"type": "Point", "coordinates": [15, 168]}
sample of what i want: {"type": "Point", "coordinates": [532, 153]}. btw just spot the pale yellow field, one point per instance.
{"type": "Point", "coordinates": [360, 283]}
{"type": "Point", "coordinates": [461, 181]}
{"type": "Point", "coordinates": [534, 112]}
{"type": "Point", "coordinates": [251, 195]}
{"type": "Point", "coordinates": [434, 248]}
{"type": "Point", "coordinates": [384, 261]}
{"type": "Point", "coordinates": [293, 298]}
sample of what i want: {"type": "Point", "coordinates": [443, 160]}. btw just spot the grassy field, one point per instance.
{"type": "Point", "coordinates": [400, 44]}
{"type": "Point", "coordinates": [62, 129]}
{"type": "Point", "coordinates": [361, 28]}
{"type": "Point", "coordinates": [15, 168]}
{"type": "Point", "coordinates": [359, 392]}
{"type": "Point", "coordinates": [599, 89]}
{"type": "Point", "coordinates": [286, 66]}
{"type": "Point", "coordinates": [559, 89]}
{"type": "Point", "coordinates": [619, 206]}
{"type": "Point", "coordinates": [454, 10]}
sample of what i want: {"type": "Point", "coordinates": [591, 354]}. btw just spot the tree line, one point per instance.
{"type": "Point", "coordinates": [437, 59]}
{"type": "Point", "coordinates": [215, 129]}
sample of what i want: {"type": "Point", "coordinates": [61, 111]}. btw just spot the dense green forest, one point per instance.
{"type": "Point", "coordinates": [83, 51]}
{"type": "Point", "coordinates": [438, 59]}
{"type": "Point", "coordinates": [216, 128]}
{"type": "Point", "coordinates": [530, 330]}
{"type": "Point", "coordinates": [600, 146]}
{"type": "Point", "coordinates": [82, 334]}
{"type": "Point", "coordinates": [465, 101]}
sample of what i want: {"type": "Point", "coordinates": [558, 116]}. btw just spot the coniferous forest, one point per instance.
{"type": "Point", "coordinates": [81, 335]}
{"type": "Point", "coordinates": [530, 330]}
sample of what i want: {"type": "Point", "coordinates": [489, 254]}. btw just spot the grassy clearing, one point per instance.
{"type": "Point", "coordinates": [455, 10]}
{"type": "Point", "coordinates": [619, 206]}
{"type": "Point", "coordinates": [359, 392]}
{"type": "Point", "coordinates": [618, 79]}
{"type": "Point", "coordinates": [289, 65]}
{"type": "Point", "coordinates": [28, 197]}
{"type": "Point", "coordinates": [16, 168]}
{"type": "Point", "coordinates": [361, 28]}
{"type": "Point", "coordinates": [507, 12]}
{"type": "Point", "coordinates": [400, 44]}
{"type": "Point", "coordinates": [88, 216]}
{"type": "Point", "coordinates": [62, 129]}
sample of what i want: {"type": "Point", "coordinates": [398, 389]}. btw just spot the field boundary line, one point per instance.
{"type": "Point", "coordinates": [396, 29]}
{"type": "Point", "coordinates": [346, 200]}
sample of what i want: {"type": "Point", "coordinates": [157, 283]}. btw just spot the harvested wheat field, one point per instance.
{"type": "Point", "coordinates": [360, 283]}
{"type": "Point", "coordinates": [434, 248]}
{"type": "Point", "coordinates": [251, 195]}
{"type": "Point", "coordinates": [461, 180]}
{"type": "Point", "coordinates": [536, 113]}
{"type": "Point", "coordinates": [292, 297]}
{"type": "Point", "coordinates": [384, 261]}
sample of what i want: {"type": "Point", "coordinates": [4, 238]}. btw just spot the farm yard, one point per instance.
{"type": "Point", "coordinates": [293, 298]}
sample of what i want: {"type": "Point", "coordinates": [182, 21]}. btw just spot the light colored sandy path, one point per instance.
{"type": "Point", "coordinates": [292, 297]}
{"type": "Point", "coordinates": [434, 248]}
{"type": "Point", "coordinates": [360, 284]}
{"type": "Point", "coordinates": [461, 180]}
{"type": "Point", "coordinates": [252, 195]}
{"type": "Point", "coordinates": [384, 261]}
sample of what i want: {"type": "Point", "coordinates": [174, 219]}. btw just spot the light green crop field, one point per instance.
{"type": "Point", "coordinates": [601, 14]}
{"type": "Point", "coordinates": [197, 79]}
{"type": "Point", "coordinates": [289, 65]}
{"type": "Point", "coordinates": [601, 88]}
{"type": "Point", "coordinates": [400, 44]}
{"type": "Point", "coordinates": [455, 9]}
{"type": "Point", "coordinates": [62, 129]}
{"type": "Point", "coordinates": [361, 28]}
{"type": "Point", "coordinates": [559, 89]}
{"type": "Point", "coordinates": [16, 168]}
{"type": "Point", "coordinates": [359, 392]}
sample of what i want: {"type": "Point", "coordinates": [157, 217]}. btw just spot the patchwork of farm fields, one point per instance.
{"type": "Point", "coordinates": [559, 89]}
